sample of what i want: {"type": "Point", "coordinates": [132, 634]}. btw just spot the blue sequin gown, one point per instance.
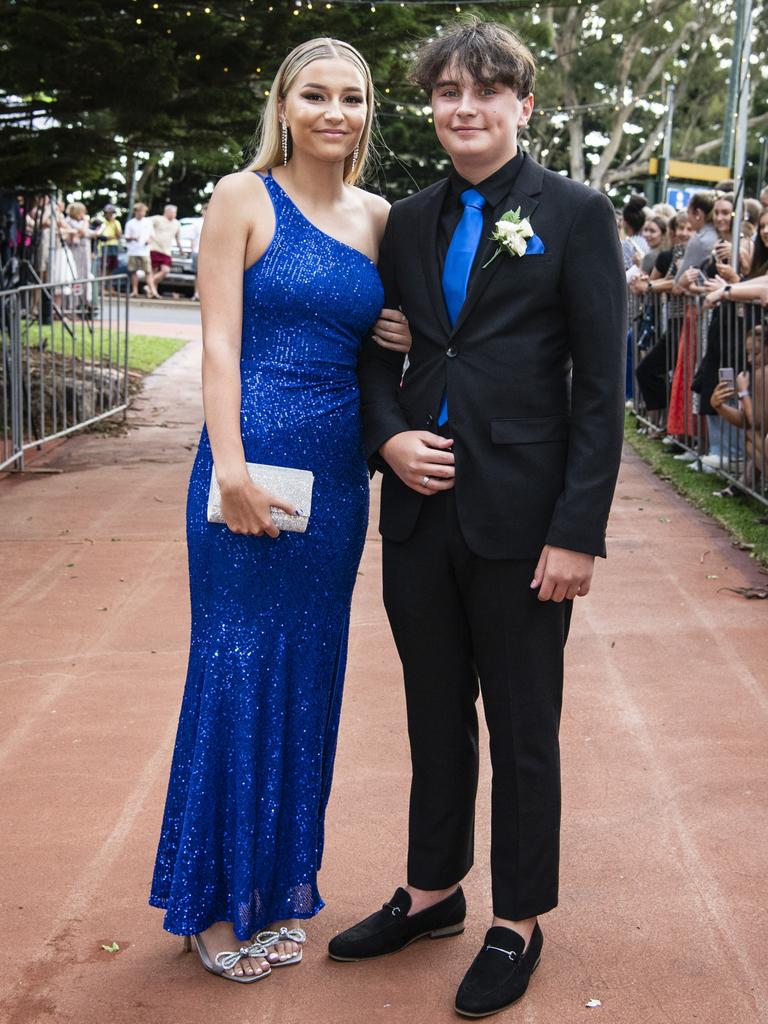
{"type": "Point", "coordinates": [242, 835]}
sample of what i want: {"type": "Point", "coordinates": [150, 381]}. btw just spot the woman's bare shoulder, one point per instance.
{"type": "Point", "coordinates": [377, 208]}
{"type": "Point", "coordinates": [239, 187]}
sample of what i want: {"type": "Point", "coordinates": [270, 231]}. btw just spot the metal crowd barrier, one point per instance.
{"type": "Point", "coordinates": [64, 351]}
{"type": "Point", "coordinates": [678, 352]}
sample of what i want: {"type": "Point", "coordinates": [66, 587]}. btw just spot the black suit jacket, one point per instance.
{"type": "Point", "coordinates": [534, 370]}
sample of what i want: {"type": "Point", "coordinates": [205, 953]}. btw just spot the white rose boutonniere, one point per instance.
{"type": "Point", "coordinates": [512, 233]}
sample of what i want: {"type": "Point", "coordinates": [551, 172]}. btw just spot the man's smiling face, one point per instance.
{"type": "Point", "coordinates": [477, 122]}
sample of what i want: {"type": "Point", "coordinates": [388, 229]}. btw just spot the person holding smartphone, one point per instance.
{"type": "Point", "coordinates": [750, 387]}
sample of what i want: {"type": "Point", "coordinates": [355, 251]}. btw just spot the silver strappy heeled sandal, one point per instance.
{"type": "Point", "coordinates": [297, 935]}
{"type": "Point", "coordinates": [227, 959]}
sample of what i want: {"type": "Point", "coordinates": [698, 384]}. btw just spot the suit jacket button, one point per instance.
{"type": "Point", "coordinates": [452, 352]}
{"type": "Point", "coordinates": [430, 419]}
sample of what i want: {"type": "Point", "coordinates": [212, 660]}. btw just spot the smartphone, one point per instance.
{"type": "Point", "coordinates": [726, 375]}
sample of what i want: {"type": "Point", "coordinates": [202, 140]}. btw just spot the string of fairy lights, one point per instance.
{"type": "Point", "coordinates": [400, 109]}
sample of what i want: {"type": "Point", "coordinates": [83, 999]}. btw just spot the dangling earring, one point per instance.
{"type": "Point", "coordinates": [355, 156]}
{"type": "Point", "coordinates": [284, 140]}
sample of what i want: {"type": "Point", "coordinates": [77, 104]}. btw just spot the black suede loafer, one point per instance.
{"type": "Point", "coordinates": [500, 972]}
{"type": "Point", "coordinates": [390, 929]}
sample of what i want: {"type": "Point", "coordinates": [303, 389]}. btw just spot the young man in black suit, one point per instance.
{"type": "Point", "coordinates": [500, 449]}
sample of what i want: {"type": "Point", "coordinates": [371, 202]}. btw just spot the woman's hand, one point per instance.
{"type": "Point", "coordinates": [746, 250]}
{"type": "Point", "coordinates": [721, 394]}
{"type": "Point", "coordinates": [714, 296]}
{"type": "Point", "coordinates": [690, 276]}
{"type": "Point", "coordinates": [727, 273]}
{"type": "Point", "coordinates": [639, 285]}
{"type": "Point", "coordinates": [247, 508]}
{"type": "Point", "coordinates": [691, 281]}
{"type": "Point", "coordinates": [742, 381]}
{"type": "Point", "coordinates": [391, 331]}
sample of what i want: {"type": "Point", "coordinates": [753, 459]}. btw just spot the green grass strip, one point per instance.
{"type": "Point", "coordinates": [738, 515]}
{"type": "Point", "coordinates": [145, 351]}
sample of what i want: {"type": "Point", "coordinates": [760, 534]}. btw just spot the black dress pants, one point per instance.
{"type": "Point", "coordinates": [653, 371]}
{"type": "Point", "coordinates": [459, 620]}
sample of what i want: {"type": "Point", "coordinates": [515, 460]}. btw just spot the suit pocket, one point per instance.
{"type": "Point", "coordinates": [529, 430]}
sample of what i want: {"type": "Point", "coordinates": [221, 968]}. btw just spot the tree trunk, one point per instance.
{"type": "Point", "coordinates": [146, 173]}
{"type": "Point", "coordinates": [576, 142]}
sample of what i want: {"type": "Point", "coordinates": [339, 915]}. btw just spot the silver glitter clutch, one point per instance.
{"type": "Point", "coordinates": [293, 485]}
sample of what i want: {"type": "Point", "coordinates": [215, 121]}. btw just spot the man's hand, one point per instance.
{"type": "Point", "coordinates": [563, 574]}
{"type": "Point", "coordinates": [422, 460]}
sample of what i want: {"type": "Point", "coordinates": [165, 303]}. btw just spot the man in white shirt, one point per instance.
{"type": "Point", "coordinates": [166, 231]}
{"type": "Point", "coordinates": [138, 232]}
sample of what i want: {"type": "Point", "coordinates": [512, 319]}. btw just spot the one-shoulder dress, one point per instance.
{"type": "Point", "coordinates": [242, 835]}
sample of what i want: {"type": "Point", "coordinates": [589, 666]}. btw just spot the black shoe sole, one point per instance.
{"type": "Point", "coordinates": [435, 933]}
{"type": "Point", "coordinates": [490, 1013]}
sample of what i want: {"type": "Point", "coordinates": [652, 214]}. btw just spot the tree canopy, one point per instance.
{"type": "Point", "coordinates": [175, 90]}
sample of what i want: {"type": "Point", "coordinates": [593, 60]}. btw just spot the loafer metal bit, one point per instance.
{"type": "Point", "coordinates": [500, 972]}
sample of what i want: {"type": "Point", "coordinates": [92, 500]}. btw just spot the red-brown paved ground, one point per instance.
{"type": "Point", "coordinates": [665, 732]}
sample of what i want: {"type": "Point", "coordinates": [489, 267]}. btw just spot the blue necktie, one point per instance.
{"type": "Point", "coordinates": [458, 264]}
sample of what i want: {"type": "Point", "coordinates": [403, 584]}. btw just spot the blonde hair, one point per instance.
{"type": "Point", "coordinates": [76, 208]}
{"type": "Point", "coordinates": [268, 148]}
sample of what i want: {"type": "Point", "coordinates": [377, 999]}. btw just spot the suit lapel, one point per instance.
{"type": "Point", "coordinates": [429, 221]}
{"type": "Point", "coordinates": [523, 194]}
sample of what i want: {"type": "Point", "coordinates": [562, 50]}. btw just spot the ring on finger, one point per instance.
{"type": "Point", "coordinates": [425, 481]}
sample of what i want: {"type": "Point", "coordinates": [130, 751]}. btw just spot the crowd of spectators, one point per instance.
{"type": "Point", "coordinates": [65, 245]}
{"type": "Point", "coordinates": [696, 364]}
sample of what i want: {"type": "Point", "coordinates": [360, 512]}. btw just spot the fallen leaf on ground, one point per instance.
{"type": "Point", "coordinates": [703, 556]}
{"type": "Point", "coordinates": [713, 576]}
{"type": "Point", "coordinates": [157, 499]}
{"type": "Point", "coordinates": [664, 519]}
{"type": "Point", "coordinates": [592, 1003]}
{"type": "Point", "coordinates": [112, 948]}
{"type": "Point", "coordinates": [758, 593]}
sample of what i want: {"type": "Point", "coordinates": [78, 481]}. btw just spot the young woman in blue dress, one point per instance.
{"type": "Point", "coordinates": [289, 289]}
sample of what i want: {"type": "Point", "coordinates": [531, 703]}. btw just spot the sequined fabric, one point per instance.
{"type": "Point", "coordinates": [242, 835]}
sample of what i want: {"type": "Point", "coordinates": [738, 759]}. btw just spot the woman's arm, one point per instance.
{"type": "Point", "coordinates": [746, 249]}
{"type": "Point", "coordinates": [238, 228]}
{"type": "Point", "coordinates": [391, 328]}
{"type": "Point", "coordinates": [717, 400]}
{"type": "Point", "coordinates": [753, 290]}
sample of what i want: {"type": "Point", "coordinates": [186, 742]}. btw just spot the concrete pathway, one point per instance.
{"type": "Point", "coordinates": [665, 859]}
